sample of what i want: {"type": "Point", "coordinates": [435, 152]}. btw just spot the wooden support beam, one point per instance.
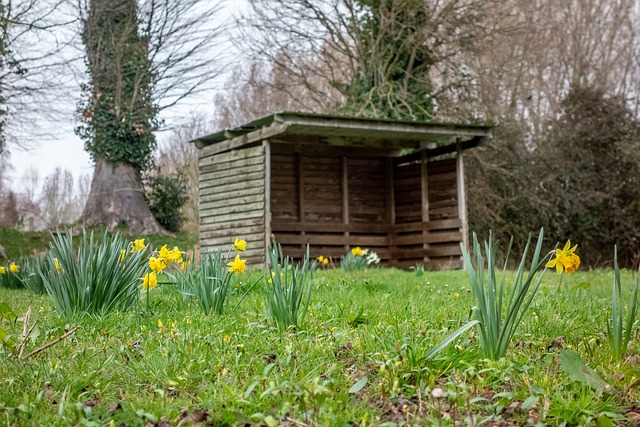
{"type": "Point", "coordinates": [424, 173]}
{"type": "Point", "coordinates": [300, 181]}
{"type": "Point", "coordinates": [267, 196]}
{"type": "Point", "coordinates": [390, 205]}
{"type": "Point", "coordinates": [345, 198]}
{"type": "Point", "coordinates": [462, 196]}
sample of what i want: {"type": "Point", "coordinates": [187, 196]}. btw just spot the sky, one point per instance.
{"type": "Point", "coordinates": [66, 151]}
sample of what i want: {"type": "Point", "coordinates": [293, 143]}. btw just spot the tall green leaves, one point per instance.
{"type": "Point", "coordinates": [288, 288]}
{"type": "Point", "coordinates": [210, 284]}
{"type": "Point", "coordinates": [619, 329]}
{"type": "Point", "coordinates": [99, 279]}
{"type": "Point", "coordinates": [495, 298]}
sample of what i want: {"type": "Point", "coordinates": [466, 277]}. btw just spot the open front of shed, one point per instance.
{"type": "Point", "coordinates": [336, 183]}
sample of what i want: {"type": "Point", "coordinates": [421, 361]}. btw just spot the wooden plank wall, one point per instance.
{"type": "Point", "coordinates": [331, 202]}
{"type": "Point", "coordinates": [443, 231]}
{"type": "Point", "coordinates": [232, 201]}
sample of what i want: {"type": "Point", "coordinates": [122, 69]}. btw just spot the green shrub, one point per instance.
{"type": "Point", "coordinates": [166, 195]}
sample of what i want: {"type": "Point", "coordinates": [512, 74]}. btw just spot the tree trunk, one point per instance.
{"type": "Point", "coordinates": [116, 198]}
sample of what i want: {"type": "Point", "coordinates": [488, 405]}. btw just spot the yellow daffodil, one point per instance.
{"type": "Point", "coordinates": [323, 260]}
{"type": "Point", "coordinates": [122, 254]}
{"type": "Point", "coordinates": [157, 264]}
{"type": "Point", "coordinates": [565, 259]}
{"type": "Point", "coordinates": [149, 281]}
{"type": "Point", "coordinates": [183, 265]}
{"type": "Point", "coordinates": [138, 245]}
{"type": "Point", "coordinates": [3, 270]}
{"type": "Point", "coordinates": [13, 268]}
{"type": "Point", "coordinates": [240, 245]}
{"type": "Point", "coordinates": [176, 255]}
{"type": "Point", "coordinates": [57, 265]}
{"type": "Point", "coordinates": [456, 295]}
{"type": "Point", "coordinates": [165, 253]}
{"type": "Point", "coordinates": [237, 265]}
{"type": "Point", "coordinates": [357, 251]}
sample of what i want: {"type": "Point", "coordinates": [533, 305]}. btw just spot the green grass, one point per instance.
{"type": "Point", "coordinates": [377, 324]}
{"type": "Point", "coordinates": [24, 243]}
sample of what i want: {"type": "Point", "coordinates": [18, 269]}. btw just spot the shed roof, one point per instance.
{"type": "Point", "coordinates": [347, 131]}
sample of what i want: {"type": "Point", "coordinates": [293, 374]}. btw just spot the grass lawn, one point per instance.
{"type": "Point", "coordinates": [18, 243]}
{"type": "Point", "coordinates": [358, 360]}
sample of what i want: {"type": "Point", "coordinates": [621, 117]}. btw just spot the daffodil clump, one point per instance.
{"type": "Point", "coordinates": [323, 261]}
{"type": "Point", "coordinates": [160, 261]}
{"type": "Point", "coordinates": [501, 306]}
{"type": "Point", "coordinates": [10, 276]}
{"type": "Point", "coordinates": [211, 283]}
{"type": "Point", "coordinates": [96, 276]}
{"type": "Point", "coordinates": [359, 259]}
{"type": "Point", "coordinates": [288, 288]}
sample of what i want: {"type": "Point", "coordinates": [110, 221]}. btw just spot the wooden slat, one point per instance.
{"type": "Point", "coordinates": [206, 158]}
{"type": "Point", "coordinates": [245, 222]}
{"type": "Point", "coordinates": [223, 197]}
{"type": "Point", "coordinates": [223, 209]}
{"type": "Point", "coordinates": [231, 234]}
{"type": "Point", "coordinates": [431, 225]}
{"type": "Point", "coordinates": [222, 219]}
{"type": "Point", "coordinates": [238, 173]}
{"type": "Point", "coordinates": [242, 200]}
{"type": "Point", "coordinates": [236, 164]}
{"type": "Point", "coordinates": [448, 250]}
{"type": "Point", "coordinates": [331, 240]}
{"type": "Point", "coordinates": [231, 188]}
{"type": "Point", "coordinates": [330, 227]}
{"type": "Point", "coordinates": [255, 242]}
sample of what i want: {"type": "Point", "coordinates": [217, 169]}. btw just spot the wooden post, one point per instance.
{"type": "Point", "coordinates": [345, 200]}
{"type": "Point", "coordinates": [267, 197]}
{"type": "Point", "coordinates": [462, 196]}
{"type": "Point", "coordinates": [391, 209]}
{"type": "Point", "coordinates": [300, 181]}
{"type": "Point", "coordinates": [424, 179]}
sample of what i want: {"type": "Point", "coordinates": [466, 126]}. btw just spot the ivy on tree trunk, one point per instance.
{"type": "Point", "coordinates": [118, 116]}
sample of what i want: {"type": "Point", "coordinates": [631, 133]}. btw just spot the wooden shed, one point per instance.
{"type": "Point", "coordinates": [332, 182]}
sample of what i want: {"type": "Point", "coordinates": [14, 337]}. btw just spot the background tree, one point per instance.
{"type": "Point", "coordinates": [589, 176]}
{"type": "Point", "coordinates": [35, 69]}
{"type": "Point", "coordinates": [397, 59]}
{"type": "Point", "coordinates": [141, 57]}
{"type": "Point", "coordinates": [119, 116]}
{"type": "Point", "coordinates": [523, 77]}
